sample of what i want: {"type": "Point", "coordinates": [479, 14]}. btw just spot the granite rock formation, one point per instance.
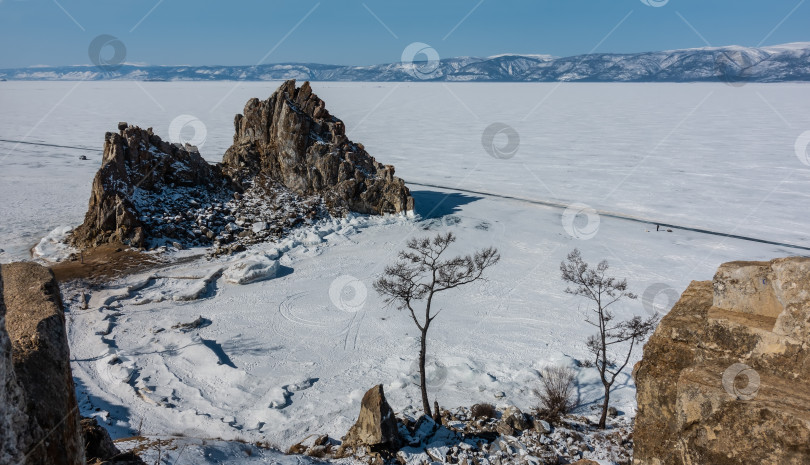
{"type": "Point", "coordinates": [292, 138]}
{"type": "Point", "coordinates": [724, 378]}
{"type": "Point", "coordinates": [290, 162]}
{"type": "Point", "coordinates": [147, 187]}
{"type": "Point", "coordinates": [35, 323]}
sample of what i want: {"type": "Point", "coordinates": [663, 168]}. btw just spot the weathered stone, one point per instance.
{"type": "Point", "coordinates": [137, 162]}
{"type": "Point", "coordinates": [376, 426]}
{"type": "Point", "coordinates": [97, 442]}
{"type": "Point", "coordinates": [292, 138]}
{"type": "Point", "coordinates": [288, 150]}
{"type": "Point", "coordinates": [99, 447]}
{"type": "Point", "coordinates": [723, 379]}
{"type": "Point", "coordinates": [512, 420]}
{"type": "Point", "coordinates": [15, 436]}
{"type": "Point", "coordinates": [35, 322]}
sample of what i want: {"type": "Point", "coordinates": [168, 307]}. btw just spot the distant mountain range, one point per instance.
{"type": "Point", "coordinates": [789, 62]}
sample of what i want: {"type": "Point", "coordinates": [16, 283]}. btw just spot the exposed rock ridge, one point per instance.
{"type": "Point", "coordinates": [35, 323]}
{"type": "Point", "coordinates": [292, 138]}
{"type": "Point", "coordinates": [291, 162]}
{"type": "Point", "coordinates": [724, 378]}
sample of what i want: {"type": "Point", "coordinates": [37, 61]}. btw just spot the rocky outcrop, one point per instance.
{"type": "Point", "coordinates": [292, 138]}
{"type": "Point", "coordinates": [15, 437]}
{"type": "Point", "coordinates": [35, 323]}
{"type": "Point", "coordinates": [724, 378]}
{"type": "Point", "coordinates": [147, 188]}
{"type": "Point", "coordinates": [291, 162]}
{"type": "Point", "coordinates": [376, 427]}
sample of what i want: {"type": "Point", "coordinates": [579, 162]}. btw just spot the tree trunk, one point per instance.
{"type": "Point", "coordinates": [422, 380]}
{"type": "Point", "coordinates": [603, 418]}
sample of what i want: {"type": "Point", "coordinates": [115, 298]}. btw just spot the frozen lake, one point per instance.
{"type": "Point", "coordinates": [703, 155]}
{"type": "Point", "coordinates": [706, 156]}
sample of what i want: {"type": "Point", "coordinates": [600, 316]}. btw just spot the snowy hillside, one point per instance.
{"type": "Point", "coordinates": [789, 62]}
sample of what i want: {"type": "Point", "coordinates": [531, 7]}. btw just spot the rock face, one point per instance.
{"type": "Point", "coordinates": [290, 162]}
{"type": "Point", "coordinates": [139, 174]}
{"type": "Point", "coordinates": [15, 438]}
{"type": "Point", "coordinates": [376, 427]}
{"type": "Point", "coordinates": [292, 138]}
{"type": "Point", "coordinates": [724, 378]}
{"type": "Point", "coordinates": [36, 327]}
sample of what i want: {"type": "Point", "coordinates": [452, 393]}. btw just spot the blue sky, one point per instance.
{"type": "Point", "coordinates": [162, 32]}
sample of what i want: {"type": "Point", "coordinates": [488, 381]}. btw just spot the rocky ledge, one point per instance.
{"type": "Point", "coordinates": [723, 380]}
{"type": "Point", "coordinates": [290, 163]}
{"type": "Point", "coordinates": [478, 435]}
{"type": "Point", "coordinates": [39, 420]}
{"type": "Point", "coordinates": [39, 416]}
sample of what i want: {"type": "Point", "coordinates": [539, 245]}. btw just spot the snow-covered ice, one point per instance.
{"type": "Point", "coordinates": [278, 359]}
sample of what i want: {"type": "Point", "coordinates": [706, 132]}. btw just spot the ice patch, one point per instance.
{"type": "Point", "coordinates": [252, 269]}
{"type": "Point", "coordinates": [54, 247]}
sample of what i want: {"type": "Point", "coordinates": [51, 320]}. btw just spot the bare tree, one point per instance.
{"type": "Point", "coordinates": [419, 274]}
{"type": "Point", "coordinates": [603, 291]}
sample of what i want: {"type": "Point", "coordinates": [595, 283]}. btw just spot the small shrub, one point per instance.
{"type": "Point", "coordinates": [483, 410]}
{"type": "Point", "coordinates": [556, 393]}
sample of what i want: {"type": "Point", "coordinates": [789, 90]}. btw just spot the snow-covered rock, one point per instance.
{"type": "Point", "coordinates": [251, 269]}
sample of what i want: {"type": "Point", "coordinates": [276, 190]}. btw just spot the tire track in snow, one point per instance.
{"type": "Point", "coordinates": [43, 144]}
{"type": "Point", "coordinates": [617, 215]}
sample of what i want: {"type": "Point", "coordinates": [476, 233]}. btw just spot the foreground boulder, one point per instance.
{"type": "Point", "coordinates": [376, 427]}
{"type": "Point", "coordinates": [35, 323]}
{"type": "Point", "coordinates": [724, 378]}
{"type": "Point", "coordinates": [292, 138]}
{"type": "Point", "coordinates": [15, 436]}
